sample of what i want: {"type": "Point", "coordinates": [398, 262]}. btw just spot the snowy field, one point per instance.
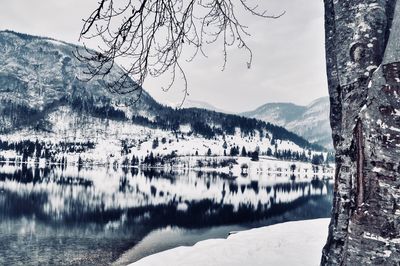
{"type": "Point", "coordinates": [292, 243]}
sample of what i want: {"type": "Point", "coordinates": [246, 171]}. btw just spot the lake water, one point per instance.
{"type": "Point", "coordinates": [104, 216]}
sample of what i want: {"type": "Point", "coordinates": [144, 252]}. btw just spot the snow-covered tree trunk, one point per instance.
{"type": "Point", "coordinates": [363, 66]}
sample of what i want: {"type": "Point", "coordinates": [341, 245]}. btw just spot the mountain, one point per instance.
{"type": "Point", "coordinates": [310, 122]}
{"type": "Point", "coordinates": [276, 113]}
{"type": "Point", "coordinates": [38, 74]}
{"type": "Point", "coordinates": [47, 111]}
{"type": "Point", "coordinates": [189, 103]}
{"type": "Point", "coordinates": [201, 105]}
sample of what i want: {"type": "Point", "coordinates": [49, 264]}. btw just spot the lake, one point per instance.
{"type": "Point", "coordinates": [103, 216]}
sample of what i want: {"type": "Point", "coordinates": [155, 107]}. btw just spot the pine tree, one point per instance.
{"type": "Point", "coordinates": [244, 152]}
{"type": "Point", "coordinates": [225, 145]}
{"type": "Point", "coordinates": [234, 151]}
{"type": "Point", "coordinates": [155, 143]}
{"type": "Point", "coordinates": [254, 156]}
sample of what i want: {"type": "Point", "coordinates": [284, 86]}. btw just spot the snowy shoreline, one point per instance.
{"type": "Point", "coordinates": [265, 166]}
{"type": "Point", "coordinates": [291, 243]}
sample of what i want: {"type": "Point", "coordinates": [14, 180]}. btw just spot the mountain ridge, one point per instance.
{"type": "Point", "coordinates": [310, 121]}
{"type": "Point", "coordinates": [41, 96]}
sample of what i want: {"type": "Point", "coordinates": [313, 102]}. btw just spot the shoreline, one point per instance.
{"type": "Point", "coordinates": [233, 166]}
{"type": "Point", "coordinates": [270, 245]}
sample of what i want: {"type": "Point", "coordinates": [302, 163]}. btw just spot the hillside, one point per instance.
{"type": "Point", "coordinates": [202, 105]}
{"type": "Point", "coordinates": [47, 111]}
{"type": "Point", "coordinates": [39, 74]}
{"type": "Point", "coordinates": [310, 122]}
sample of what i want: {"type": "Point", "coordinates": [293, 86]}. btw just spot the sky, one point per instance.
{"type": "Point", "coordinates": [288, 63]}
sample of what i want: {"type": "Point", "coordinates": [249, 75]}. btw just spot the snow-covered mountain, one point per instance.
{"type": "Point", "coordinates": [46, 110]}
{"type": "Point", "coordinates": [310, 122]}
{"type": "Point", "coordinates": [39, 74]}
{"type": "Point", "coordinates": [202, 105]}
{"type": "Point", "coordinates": [189, 103]}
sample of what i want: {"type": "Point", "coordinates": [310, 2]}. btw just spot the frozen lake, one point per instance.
{"type": "Point", "coordinates": [105, 216]}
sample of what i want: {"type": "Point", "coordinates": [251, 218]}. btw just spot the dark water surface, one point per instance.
{"type": "Point", "coordinates": [105, 216]}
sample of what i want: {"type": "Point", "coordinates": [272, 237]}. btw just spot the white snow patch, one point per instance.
{"type": "Point", "coordinates": [363, 108]}
{"type": "Point", "coordinates": [381, 124]}
{"type": "Point", "coordinates": [292, 243]}
{"type": "Point", "coordinates": [387, 241]}
{"type": "Point", "coordinates": [55, 42]}
{"type": "Point", "coordinates": [377, 169]}
{"type": "Point", "coordinates": [182, 207]}
{"type": "Point", "coordinates": [387, 253]}
{"type": "Point", "coordinates": [395, 129]}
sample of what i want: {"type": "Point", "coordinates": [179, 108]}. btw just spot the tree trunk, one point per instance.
{"type": "Point", "coordinates": [363, 67]}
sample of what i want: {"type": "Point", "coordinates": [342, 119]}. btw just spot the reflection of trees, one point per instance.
{"type": "Point", "coordinates": [233, 188]}
{"type": "Point", "coordinates": [317, 184]}
{"type": "Point", "coordinates": [254, 186]}
{"type": "Point", "coordinates": [35, 176]}
{"type": "Point", "coordinates": [152, 173]}
{"type": "Point", "coordinates": [84, 205]}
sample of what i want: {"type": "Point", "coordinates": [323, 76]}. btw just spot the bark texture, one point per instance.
{"type": "Point", "coordinates": [363, 66]}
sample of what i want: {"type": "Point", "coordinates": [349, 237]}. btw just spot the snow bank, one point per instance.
{"type": "Point", "coordinates": [292, 243]}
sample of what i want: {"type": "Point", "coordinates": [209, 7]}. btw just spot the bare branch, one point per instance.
{"type": "Point", "coordinates": [153, 34]}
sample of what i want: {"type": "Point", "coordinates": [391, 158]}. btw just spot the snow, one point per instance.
{"type": "Point", "coordinates": [311, 121]}
{"type": "Point", "coordinates": [292, 243]}
{"type": "Point", "coordinates": [55, 42]}
{"type": "Point", "coordinates": [108, 136]}
{"type": "Point", "coordinates": [377, 169]}
{"type": "Point", "coordinates": [395, 129]}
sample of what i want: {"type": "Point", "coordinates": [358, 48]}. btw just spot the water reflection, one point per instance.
{"type": "Point", "coordinates": [90, 216]}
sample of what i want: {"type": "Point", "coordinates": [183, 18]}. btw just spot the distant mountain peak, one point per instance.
{"type": "Point", "coordinates": [202, 105]}
{"type": "Point", "coordinates": [310, 122]}
{"type": "Point", "coordinates": [321, 100]}
{"type": "Point", "coordinates": [276, 113]}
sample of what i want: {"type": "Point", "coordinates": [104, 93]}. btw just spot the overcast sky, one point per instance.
{"type": "Point", "coordinates": [288, 52]}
